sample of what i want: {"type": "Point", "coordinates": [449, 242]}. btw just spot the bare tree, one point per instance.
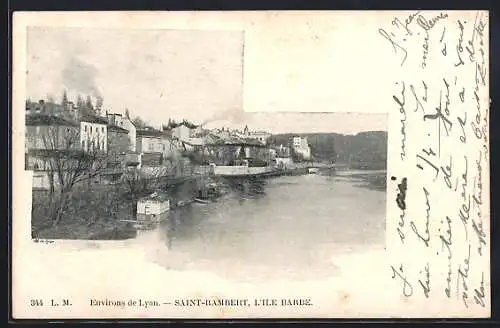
{"type": "Point", "coordinates": [138, 182]}
{"type": "Point", "coordinates": [68, 165]}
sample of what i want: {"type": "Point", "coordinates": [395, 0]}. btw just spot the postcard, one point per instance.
{"type": "Point", "coordinates": [265, 164]}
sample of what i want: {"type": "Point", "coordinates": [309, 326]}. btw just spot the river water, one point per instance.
{"type": "Point", "coordinates": [291, 226]}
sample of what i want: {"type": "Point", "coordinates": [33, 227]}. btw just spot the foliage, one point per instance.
{"type": "Point", "coordinates": [362, 147]}
{"type": "Point", "coordinates": [173, 124]}
{"type": "Point", "coordinates": [140, 123]}
{"type": "Point", "coordinates": [67, 166]}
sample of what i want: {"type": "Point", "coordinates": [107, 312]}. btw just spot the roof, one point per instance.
{"type": "Point", "coordinates": [94, 119]}
{"type": "Point", "coordinates": [157, 197]}
{"type": "Point", "coordinates": [48, 120]}
{"type": "Point", "coordinates": [115, 128]}
{"type": "Point", "coordinates": [194, 141]}
{"type": "Point", "coordinates": [150, 133]}
{"type": "Point", "coordinates": [260, 132]}
{"type": "Point", "coordinates": [234, 141]}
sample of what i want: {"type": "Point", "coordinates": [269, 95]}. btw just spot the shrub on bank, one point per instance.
{"type": "Point", "coordinates": [89, 212]}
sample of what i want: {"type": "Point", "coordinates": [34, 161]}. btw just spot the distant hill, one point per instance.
{"type": "Point", "coordinates": [364, 147]}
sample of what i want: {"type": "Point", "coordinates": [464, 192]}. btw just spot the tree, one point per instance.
{"type": "Point", "coordinates": [98, 105]}
{"type": "Point", "coordinates": [88, 104]}
{"type": "Point", "coordinates": [64, 101]}
{"type": "Point", "coordinates": [139, 123]}
{"type": "Point", "coordinates": [79, 102]}
{"type": "Point", "coordinates": [138, 183]}
{"type": "Point", "coordinates": [67, 165]}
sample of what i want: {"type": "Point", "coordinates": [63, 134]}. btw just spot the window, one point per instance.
{"type": "Point", "coordinates": [102, 145]}
{"type": "Point", "coordinates": [85, 128]}
{"type": "Point", "coordinates": [90, 129]}
{"type": "Point", "coordinates": [102, 129]}
{"type": "Point", "coordinates": [83, 144]}
{"type": "Point", "coordinates": [36, 166]}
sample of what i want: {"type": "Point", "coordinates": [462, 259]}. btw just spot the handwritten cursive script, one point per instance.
{"type": "Point", "coordinates": [442, 107]}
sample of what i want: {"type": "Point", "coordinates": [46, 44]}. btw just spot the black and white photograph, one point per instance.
{"type": "Point", "coordinates": [172, 150]}
{"type": "Point", "coordinates": [243, 167]}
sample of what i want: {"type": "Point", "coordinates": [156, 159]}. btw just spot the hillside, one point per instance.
{"type": "Point", "coordinates": [364, 147]}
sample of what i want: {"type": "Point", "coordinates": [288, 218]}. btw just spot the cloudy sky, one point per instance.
{"type": "Point", "coordinates": [214, 75]}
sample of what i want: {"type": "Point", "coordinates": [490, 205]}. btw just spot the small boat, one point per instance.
{"type": "Point", "coordinates": [201, 201]}
{"type": "Point", "coordinates": [183, 203]}
{"type": "Point", "coordinates": [312, 170]}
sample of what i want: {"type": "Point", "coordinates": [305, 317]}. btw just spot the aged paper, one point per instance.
{"type": "Point", "coordinates": [371, 200]}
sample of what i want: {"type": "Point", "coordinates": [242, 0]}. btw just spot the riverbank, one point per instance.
{"type": "Point", "coordinates": [98, 213]}
{"type": "Point", "coordinates": [373, 180]}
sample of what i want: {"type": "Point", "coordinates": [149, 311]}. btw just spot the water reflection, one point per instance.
{"type": "Point", "coordinates": [290, 226]}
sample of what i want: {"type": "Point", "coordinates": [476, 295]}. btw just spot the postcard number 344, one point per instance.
{"type": "Point", "coordinates": [51, 302]}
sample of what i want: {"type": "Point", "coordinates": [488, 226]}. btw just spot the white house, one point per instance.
{"type": "Point", "coordinates": [132, 133]}
{"type": "Point", "coordinates": [125, 123]}
{"type": "Point", "coordinates": [301, 146]}
{"type": "Point", "coordinates": [181, 132]}
{"type": "Point", "coordinates": [149, 141]}
{"type": "Point", "coordinates": [262, 136]}
{"type": "Point", "coordinates": [94, 134]}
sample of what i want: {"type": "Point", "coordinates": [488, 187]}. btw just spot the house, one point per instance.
{"type": "Point", "coordinates": [181, 132]}
{"type": "Point", "coordinates": [47, 136]}
{"type": "Point", "coordinates": [261, 136]}
{"type": "Point", "coordinates": [171, 146]}
{"type": "Point", "coordinates": [301, 147]}
{"type": "Point", "coordinates": [132, 133]}
{"type": "Point", "coordinates": [281, 157]}
{"type": "Point", "coordinates": [94, 134]}
{"type": "Point", "coordinates": [149, 141]}
{"type": "Point", "coordinates": [118, 145]}
{"type": "Point", "coordinates": [196, 132]}
{"type": "Point", "coordinates": [118, 120]}
{"type": "Point", "coordinates": [50, 132]}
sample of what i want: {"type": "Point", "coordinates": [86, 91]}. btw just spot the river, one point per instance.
{"type": "Point", "coordinates": [291, 226]}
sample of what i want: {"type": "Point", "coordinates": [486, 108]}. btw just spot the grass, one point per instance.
{"type": "Point", "coordinates": [95, 213]}
{"type": "Point", "coordinates": [91, 214]}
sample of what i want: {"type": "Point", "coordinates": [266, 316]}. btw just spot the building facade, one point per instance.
{"type": "Point", "coordinates": [301, 147]}
{"type": "Point", "coordinates": [181, 132]}
{"type": "Point", "coordinates": [120, 121]}
{"type": "Point", "coordinates": [262, 136]}
{"type": "Point", "coordinates": [132, 133]}
{"type": "Point", "coordinates": [171, 147]}
{"type": "Point", "coordinates": [118, 145]}
{"type": "Point", "coordinates": [149, 141]}
{"type": "Point", "coordinates": [50, 133]}
{"type": "Point", "coordinates": [94, 134]}
{"type": "Point", "coordinates": [46, 136]}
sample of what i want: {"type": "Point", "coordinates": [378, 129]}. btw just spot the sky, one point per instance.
{"type": "Point", "coordinates": [218, 77]}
